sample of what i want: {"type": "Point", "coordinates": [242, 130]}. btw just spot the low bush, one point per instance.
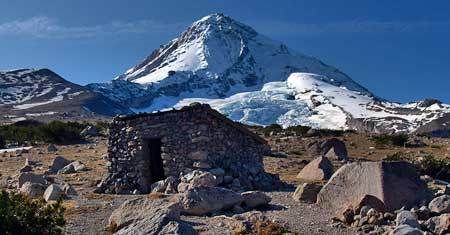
{"type": "Point", "coordinates": [298, 130]}
{"type": "Point", "coordinates": [437, 168]}
{"type": "Point", "coordinates": [53, 132]}
{"type": "Point", "coordinates": [21, 215]}
{"type": "Point", "coordinates": [398, 156]}
{"type": "Point", "coordinates": [2, 142]}
{"type": "Point", "coordinates": [395, 140]}
{"type": "Point", "coordinates": [272, 129]}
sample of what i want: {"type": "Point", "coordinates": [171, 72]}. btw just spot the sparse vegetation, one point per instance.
{"type": "Point", "coordinates": [2, 142]}
{"type": "Point", "coordinates": [53, 132]}
{"type": "Point", "coordinates": [298, 130]}
{"type": "Point", "coordinates": [21, 215]}
{"type": "Point", "coordinates": [272, 130]}
{"type": "Point", "coordinates": [437, 168]}
{"type": "Point", "coordinates": [386, 139]}
{"type": "Point", "coordinates": [398, 156]}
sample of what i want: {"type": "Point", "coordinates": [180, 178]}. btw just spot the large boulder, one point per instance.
{"type": "Point", "coordinates": [439, 224]}
{"type": "Point", "coordinates": [32, 190]}
{"type": "Point", "coordinates": [148, 216]}
{"type": "Point", "coordinates": [335, 149]}
{"type": "Point", "coordinates": [408, 218]}
{"type": "Point", "coordinates": [440, 204]}
{"type": "Point", "coordinates": [31, 177]}
{"type": "Point", "coordinates": [253, 199]}
{"type": "Point", "coordinates": [58, 163]}
{"type": "Point", "coordinates": [317, 170]}
{"type": "Point", "coordinates": [307, 192]}
{"type": "Point", "coordinates": [406, 230]}
{"type": "Point", "coordinates": [89, 131]}
{"type": "Point", "coordinates": [53, 193]}
{"type": "Point", "coordinates": [396, 184]}
{"type": "Point", "coordinates": [203, 200]}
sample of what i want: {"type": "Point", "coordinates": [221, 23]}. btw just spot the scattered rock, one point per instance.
{"type": "Point", "coordinates": [407, 218]}
{"type": "Point", "coordinates": [53, 193]}
{"type": "Point", "coordinates": [406, 230]}
{"type": "Point", "coordinates": [440, 205]}
{"type": "Point", "coordinates": [69, 169]}
{"type": "Point", "coordinates": [58, 163]}
{"type": "Point", "coordinates": [254, 199]}
{"type": "Point", "coordinates": [439, 224]}
{"type": "Point", "coordinates": [203, 200]}
{"type": "Point", "coordinates": [31, 177]}
{"type": "Point", "coordinates": [51, 148]}
{"type": "Point", "coordinates": [317, 170]}
{"type": "Point", "coordinates": [174, 227]}
{"type": "Point", "coordinates": [89, 131]}
{"type": "Point", "coordinates": [26, 168]}
{"type": "Point", "coordinates": [32, 190]}
{"type": "Point", "coordinates": [69, 190]}
{"type": "Point", "coordinates": [334, 149]}
{"type": "Point", "coordinates": [307, 192]}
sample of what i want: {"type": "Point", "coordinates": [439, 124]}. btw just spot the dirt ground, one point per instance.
{"type": "Point", "coordinates": [89, 212]}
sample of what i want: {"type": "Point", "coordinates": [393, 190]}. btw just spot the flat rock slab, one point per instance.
{"type": "Point", "coordinates": [396, 184]}
{"type": "Point", "coordinates": [317, 170]}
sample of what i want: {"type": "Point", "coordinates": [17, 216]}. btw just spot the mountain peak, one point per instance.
{"type": "Point", "coordinates": [218, 22]}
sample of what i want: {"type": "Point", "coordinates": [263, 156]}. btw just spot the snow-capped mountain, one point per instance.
{"type": "Point", "coordinates": [255, 80]}
{"type": "Point", "coordinates": [38, 93]}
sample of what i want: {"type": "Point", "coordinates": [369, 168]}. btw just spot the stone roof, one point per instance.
{"type": "Point", "coordinates": [196, 107]}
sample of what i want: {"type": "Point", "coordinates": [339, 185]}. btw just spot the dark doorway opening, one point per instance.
{"type": "Point", "coordinates": [155, 160]}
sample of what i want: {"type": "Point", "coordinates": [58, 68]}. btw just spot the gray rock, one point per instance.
{"type": "Point", "coordinates": [228, 179]}
{"type": "Point", "coordinates": [407, 218]}
{"type": "Point", "coordinates": [307, 192]}
{"type": "Point", "coordinates": [69, 190]}
{"type": "Point", "coordinates": [78, 166]}
{"type": "Point", "coordinates": [89, 131]}
{"type": "Point", "coordinates": [440, 204]}
{"type": "Point", "coordinates": [423, 213]}
{"type": "Point", "coordinates": [32, 190]}
{"type": "Point", "coordinates": [317, 170]}
{"type": "Point", "coordinates": [406, 230]}
{"type": "Point", "coordinates": [159, 186]}
{"type": "Point", "coordinates": [26, 168]}
{"type": "Point", "coordinates": [58, 163]}
{"type": "Point", "coordinates": [174, 227]}
{"type": "Point", "coordinates": [203, 200]}
{"type": "Point", "coordinates": [31, 177]}
{"type": "Point", "coordinates": [147, 216]}
{"type": "Point", "coordinates": [439, 224]}
{"type": "Point", "coordinates": [51, 148]}
{"type": "Point", "coordinates": [53, 193]}
{"type": "Point", "coordinates": [205, 179]}
{"type": "Point", "coordinates": [334, 149]}
{"type": "Point", "coordinates": [253, 199]}
{"type": "Point", "coordinates": [69, 169]}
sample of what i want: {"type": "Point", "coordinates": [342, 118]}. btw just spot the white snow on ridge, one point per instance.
{"type": "Point", "coordinates": [304, 99]}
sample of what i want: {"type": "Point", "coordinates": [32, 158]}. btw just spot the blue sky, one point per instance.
{"type": "Point", "coordinates": [400, 49]}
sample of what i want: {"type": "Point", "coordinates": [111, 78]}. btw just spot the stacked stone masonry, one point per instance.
{"type": "Point", "coordinates": [194, 137]}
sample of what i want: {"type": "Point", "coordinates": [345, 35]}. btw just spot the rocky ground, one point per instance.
{"type": "Point", "coordinates": [88, 213]}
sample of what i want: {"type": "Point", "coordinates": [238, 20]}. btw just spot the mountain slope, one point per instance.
{"type": "Point", "coordinates": [39, 93]}
{"type": "Point", "coordinates": [255, 80]}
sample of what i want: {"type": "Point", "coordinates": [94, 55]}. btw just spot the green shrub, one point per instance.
{"type": "Point", "coordinates": [396, 140]}
{"type": "Point", "coordinates": [298, 130]}
{"type": "Point", "coordinates": [437, 168]}
{"type": "Point", "coordinates": [53, 132]}
{"type": "Point", "coordinates": [398, 156]}
{"type": "Point", "coordinates": [2, 142]}
{"type": "Point", "coordinates": [21, 215]}
{"type": "Point", "coordinates": [274, 128]}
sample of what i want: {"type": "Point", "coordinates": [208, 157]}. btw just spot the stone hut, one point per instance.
{"type": "Point", "coordinates": [146, 148]}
